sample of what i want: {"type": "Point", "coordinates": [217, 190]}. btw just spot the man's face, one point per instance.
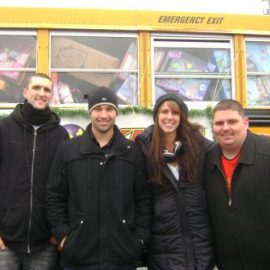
{"type": "Point", "coordinates": [230, 129]}
{"type": "Point", "coordinates": [103, 118]}
{"type": "Point", "coordinates": [38, 93]}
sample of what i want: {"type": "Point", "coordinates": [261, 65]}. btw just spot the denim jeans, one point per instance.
{"type": "Point", "coordinates": [45, 259]}
{"type": "Point", "coordinates": [116, 268]}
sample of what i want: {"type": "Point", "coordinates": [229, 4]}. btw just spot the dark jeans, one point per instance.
{"type": "Point", "coordinates": [45, 259]}
{"type": "Point", "coordinates": [117, 268]}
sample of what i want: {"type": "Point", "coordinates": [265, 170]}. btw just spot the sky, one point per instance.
{"type": "Point", "coordinates": [212, 6]}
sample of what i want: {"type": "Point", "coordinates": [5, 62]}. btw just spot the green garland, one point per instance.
{"type": "Point", "coordinates": [63, 112]}
{"type": "Point", "coordinates": [208, 112]}
{"type": "Point", "coordinates": [75, 112]}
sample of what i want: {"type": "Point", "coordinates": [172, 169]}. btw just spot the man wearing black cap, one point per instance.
{"type": "Point", "coordinates": [98, 198]}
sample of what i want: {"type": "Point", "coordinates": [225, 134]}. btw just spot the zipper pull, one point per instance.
{"type": "Point", "coordinates": [230, 202]}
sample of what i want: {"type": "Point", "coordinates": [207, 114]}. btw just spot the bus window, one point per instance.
{"type": "Point", "coordinates": [82, 61]}
{"type": "Point", "coordinates": [197, 68]}
{"type": "Point", "coordinates": [17, 63]}
{"type": "Point", "coordinates": [258, 70]}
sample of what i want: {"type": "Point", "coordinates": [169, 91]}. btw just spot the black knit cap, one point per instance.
{"type": "Point", "coordinates": [102, 96]}
{"type": "Point", "coordinates": [182, 105]}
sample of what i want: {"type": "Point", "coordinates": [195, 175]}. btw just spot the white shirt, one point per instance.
{"type": "Point", "coordinates": [174, 169]}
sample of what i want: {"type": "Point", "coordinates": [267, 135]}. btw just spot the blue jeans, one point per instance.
{"type": "Point", "coordinates": [121, 268]}
{"type": "Point", "coordinates": [45, 259]}
{"type": "Point", "coordinates": [127, 268]}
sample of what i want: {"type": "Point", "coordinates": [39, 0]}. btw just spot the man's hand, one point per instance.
{"type": "Point", "coordinates": [61, 245]}
{"type": "Point", "coordinates": [2, 245]}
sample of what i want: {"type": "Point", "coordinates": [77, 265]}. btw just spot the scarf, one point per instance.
{"type": "Point", "coordinates": [35, 116]}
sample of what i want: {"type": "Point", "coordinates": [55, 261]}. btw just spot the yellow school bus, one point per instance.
{"type": "Point", "coordinates": [139, 54]}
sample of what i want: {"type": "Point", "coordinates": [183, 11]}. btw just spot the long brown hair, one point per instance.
{"type": "Point", "coordinates": [186, 134]}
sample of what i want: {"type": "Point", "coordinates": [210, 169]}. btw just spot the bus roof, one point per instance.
{"type": "Point", "coordinates": [251, 7]}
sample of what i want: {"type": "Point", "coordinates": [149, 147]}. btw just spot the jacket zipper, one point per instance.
{"type": "Point", "coordinates": [99, 213]}
{"type": "Point", "coordinates": [31, 191]}
{"type": "Point", "coordinates": [228, 191]}
{"type": "Point", "coordinates": [102, 163]}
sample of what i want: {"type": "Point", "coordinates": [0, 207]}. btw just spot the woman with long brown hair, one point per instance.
{"type": "Point", "coordinates": [175, 150]}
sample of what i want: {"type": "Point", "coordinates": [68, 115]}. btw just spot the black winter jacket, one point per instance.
{"type": "Point", "coordinates": [102, 202]}
{"type": "Point", "coordinates": [241, 231]}
{"type": "Point", "coordinates": [25, 160]}
{"type": "Point", "coordinates": [180, 233]}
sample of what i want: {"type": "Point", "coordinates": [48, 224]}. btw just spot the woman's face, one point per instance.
{"type": "Point", "coordinates": [169, 117]}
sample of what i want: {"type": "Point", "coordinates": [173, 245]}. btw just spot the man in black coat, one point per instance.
{"type": "Point", "coordinates": [28, 139]}
{"type": "Point", "coordinates": [238, 191]}
{"type": "Point", "coordinates": [98, 198]}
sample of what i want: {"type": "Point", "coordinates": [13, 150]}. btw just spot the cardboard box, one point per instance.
{"type": "Point", "coordinates": [67, 53]}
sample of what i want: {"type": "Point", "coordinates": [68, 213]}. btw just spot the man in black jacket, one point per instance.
{"type": "Point", "coordinates": [28, 139]}
{"type": "Point", "coordinates": [238, 191]}
{"type": "Point", "coordinates": [98, 198]}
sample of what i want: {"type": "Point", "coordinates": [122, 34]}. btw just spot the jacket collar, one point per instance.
{"type": "Point", "coordinates": [144, 139]}
{"type": "Point", "coordinates": [119, 145]}
{"type": "Point", "coordinates": [248, 150]}
{"type": "Point", "coordinates": [247, 155]}
{"type": "Point", "coordinates": [53, 121]}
